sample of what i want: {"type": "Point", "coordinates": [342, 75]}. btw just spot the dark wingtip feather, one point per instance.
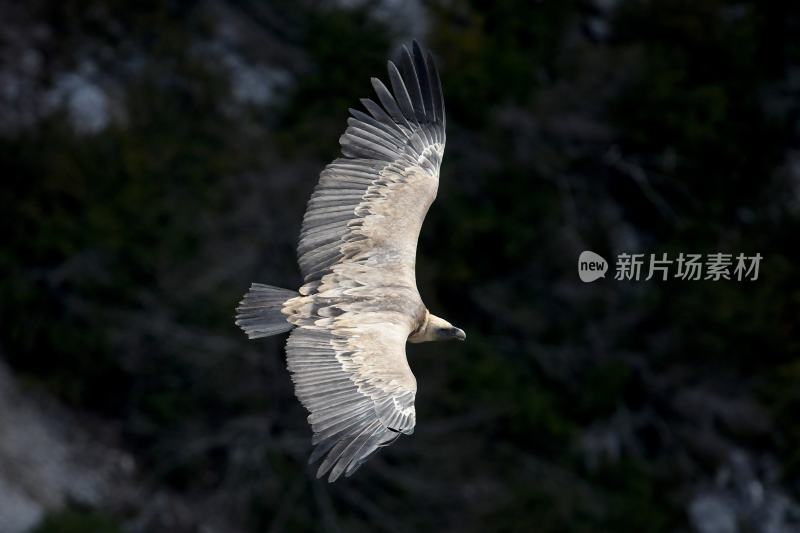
{"type": "Point", "coordinates": [412, 83]}
{"type": "Point", "coordinates": [421, 69]}
{"type": "Point", "coordinates": [438, 96]}
{"type": "Point", "coordinates": [389, 103]}
{"type": "Point", "coordinates": [416, 95]}
{"type": "Point", "coordinates": [400, 91]}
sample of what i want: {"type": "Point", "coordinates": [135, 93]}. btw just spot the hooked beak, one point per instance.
{"type": "Point", "coordinates": [459, 334]}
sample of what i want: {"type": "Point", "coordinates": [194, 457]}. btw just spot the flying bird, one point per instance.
{"type": "Point", "coordinates": [359, 303]}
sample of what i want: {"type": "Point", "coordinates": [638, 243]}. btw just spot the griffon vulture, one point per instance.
{"type": "Point", "coordinates": [359, 303]}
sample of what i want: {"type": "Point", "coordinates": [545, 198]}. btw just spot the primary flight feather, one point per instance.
{"type": "Point", "coordinates": [359, 302]}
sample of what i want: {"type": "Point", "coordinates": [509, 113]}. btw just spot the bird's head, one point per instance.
{"type": "Point", "coordinates": [436, 329]}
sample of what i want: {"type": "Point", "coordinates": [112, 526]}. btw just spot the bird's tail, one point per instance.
{"type": "Point", "coordinates": [259, 313]}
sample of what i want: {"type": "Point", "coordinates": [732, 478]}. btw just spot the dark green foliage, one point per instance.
{"type": "Point", "coordinates": [78, 521]}
{"type": "Point", "coordinates": [342, 59]}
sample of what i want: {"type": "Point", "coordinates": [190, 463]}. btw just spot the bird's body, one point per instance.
{"type": "Point", "coordinates": [359, 303]}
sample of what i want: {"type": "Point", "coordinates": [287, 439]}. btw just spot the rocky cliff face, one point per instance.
{"type": "Point", "coordinates": [48, 458]}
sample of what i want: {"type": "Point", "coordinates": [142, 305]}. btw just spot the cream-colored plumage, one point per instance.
{"type": "Point", "coordinates": [359, 303]}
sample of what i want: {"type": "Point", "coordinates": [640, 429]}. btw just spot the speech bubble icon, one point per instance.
{"type": "Point", "coordinates": [591, 266]}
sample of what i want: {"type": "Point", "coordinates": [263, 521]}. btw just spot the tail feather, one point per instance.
{"type": "Point", "coordinates": [259, 313]}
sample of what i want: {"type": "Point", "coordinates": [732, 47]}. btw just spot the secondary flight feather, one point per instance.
{"type": "Point", "coordinates": [359, 303]}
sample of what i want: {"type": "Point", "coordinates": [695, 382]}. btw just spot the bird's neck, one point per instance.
{"type": "Point", "coordinates": [427, 331]}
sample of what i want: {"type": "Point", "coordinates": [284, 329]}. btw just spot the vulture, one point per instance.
{"type": "Point", "coordinates": [359, 303]}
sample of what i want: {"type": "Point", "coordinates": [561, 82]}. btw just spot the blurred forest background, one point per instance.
{"type": "Point", "coordinates": [157, 157]}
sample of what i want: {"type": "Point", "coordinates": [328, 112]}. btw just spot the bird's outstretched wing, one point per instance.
{"type": "Point", "coordinates": [357, 253]}
{"type": "Point", "coordinates": [370, 204]}
{"type": "Point", "coordinates": [354, 379]}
